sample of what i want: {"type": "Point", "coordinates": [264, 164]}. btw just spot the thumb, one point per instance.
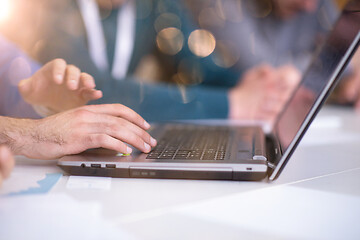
{"type": "Point", "coordinates": [91, 94]}
{"type": "Point", "coordinates": [24, 87]}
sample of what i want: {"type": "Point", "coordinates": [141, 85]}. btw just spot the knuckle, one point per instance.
{"type": "Point", "coordinates": [82, 113]}
{"type": "Point", "coordinates": [112, 128]}
{"type": "Point", "coordinates": [74, 69]}
{"type": "Point", "coordinates": [138, 140]}
{"type": "Point", "coordinates": [91, 140]}
{"type": "Point", "coordinates": [145, 135]}
{"type": "Point", "coordinates": [59, 61]}
{"type": "Point", "coordinates": [102, 139]}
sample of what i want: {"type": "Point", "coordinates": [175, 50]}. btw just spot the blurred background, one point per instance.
{"type": "Point", "coordinates": [185, 42]}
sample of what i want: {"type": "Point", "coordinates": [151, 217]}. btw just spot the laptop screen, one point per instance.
{"type": "Point", "coordinates": [327, 65]}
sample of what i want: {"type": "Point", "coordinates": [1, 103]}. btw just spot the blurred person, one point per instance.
{"type": "Point", "coordinates": [26, 88]}
{"type": "Point", "coordinates": [274, 31]}
{"type": "Point", "coordinates": [348, 90]}
{"type": "Point", "coordinates": [82, 33]}
{"type": "Point", "coordinates": [58, 87]}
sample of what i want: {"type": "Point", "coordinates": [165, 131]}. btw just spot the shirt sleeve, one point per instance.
{"type": "Point", "coordinates": [14, 66]}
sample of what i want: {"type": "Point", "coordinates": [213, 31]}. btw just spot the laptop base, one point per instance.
{"type": "Point", "coordinates": [166, 174]}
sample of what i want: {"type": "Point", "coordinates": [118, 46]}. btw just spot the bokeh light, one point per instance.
{"type": "Point", "coordinates": [167, 20]}
{"type": "Point", "coordinates": [190, 72]}
{"type": "Point", "coordinates": [225, 54]}
{"type": "Point", "coordinates": [261, 9]}
{"type": "Point", "coordinates": [209, 19]}
{"type": "Point", "coordinates": [170, 40]}
{"type": "Point", "coordinates": [231, 11]}
{"type": "Point", "coordinates": [201, 42]}
{"type": "Point", "coordinates": [5, 9]}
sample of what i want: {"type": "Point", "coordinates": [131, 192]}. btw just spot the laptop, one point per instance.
{"type": "Point", "coordinates": [238, 152]}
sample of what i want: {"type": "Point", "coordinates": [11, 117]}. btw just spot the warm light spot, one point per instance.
{"type": "Point", "coordinates": [167, 20]}
{"type": "Point", "coordinates": [182, 95]}
{"type": "Point", "coordinates": [170, 40]}
{"type": "Point", "coordinates": [201, 42]}
{"type": "Point", "coordinates": [259, 10]}
{"type": "Point", "coordinates": [190, 71]}
{"type": "Point", "coordinates": [225, 54]}
{"type": "Point", "coordinates": [229, 10]}
{"type": "Point", "coordinates": [5, 9]}
{"type": "Point", "coordinates": [209, 19]}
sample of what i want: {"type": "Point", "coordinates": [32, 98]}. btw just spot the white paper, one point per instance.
{"type": "Point", "coordinates": [80, 182]}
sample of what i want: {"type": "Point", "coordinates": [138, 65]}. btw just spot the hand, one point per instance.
{"type": "Point", "coordinates": [349, 90]}
{"type": "Point", "coordinates": [6, 163]}
{"type": "Point", "coordinates": [59, 87]}
{"type": "Point", "coordinates": [262, 93]}
{"type": "Point", "coordinates": [97, 126]}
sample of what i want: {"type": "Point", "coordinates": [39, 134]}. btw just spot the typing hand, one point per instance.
{"type": "Point", "coordinates": [108, 126]}
{"type": "Point", "coordinates": [59, 87]}
{"type": "Point", "coordinates": [6, 163]}
{"type": "Point", "coordinates": [262, 93]}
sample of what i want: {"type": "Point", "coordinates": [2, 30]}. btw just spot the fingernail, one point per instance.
{"type": "Point", "coordinates": [59, 77]}
{"type": "Point", "coordinates": [147, 147]}
{"type": "Point", "coordinates": [72, 84]}
{"type": "Point", "coordinates": [128, 150]}
{"type": "Point", "coordinates": [146, 125]}
{"type": "Point", "coordinates": [153, 142]}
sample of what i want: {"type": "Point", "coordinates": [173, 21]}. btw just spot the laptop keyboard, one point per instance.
{"type": "Point", "coordinates": [189, 143]}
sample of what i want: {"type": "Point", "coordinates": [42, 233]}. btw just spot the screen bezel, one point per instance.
{"type": "Point", "coordinates": [274, 173]}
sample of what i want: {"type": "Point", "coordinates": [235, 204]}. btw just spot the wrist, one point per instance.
{"type": "Point", "coordinates": [17, 134]}
{"type": "Point", "coordinates": [43, 111]}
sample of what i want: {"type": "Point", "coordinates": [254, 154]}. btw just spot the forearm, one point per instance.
{"type": "Point", "coordinates": [167, 102]}
{"type": "Point", "coordinates": [15, 133]}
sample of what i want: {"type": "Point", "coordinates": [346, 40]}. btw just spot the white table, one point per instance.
{"type": "Point", "coordinates": [316, 197]}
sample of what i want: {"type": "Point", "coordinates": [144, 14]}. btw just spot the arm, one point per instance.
{"type": "Point", "coordinates": [74, 131]}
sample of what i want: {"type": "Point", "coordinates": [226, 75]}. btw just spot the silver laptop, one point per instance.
{"type": "Point", "coordinates": [235, 152]}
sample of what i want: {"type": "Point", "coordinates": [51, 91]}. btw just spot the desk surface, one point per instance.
{"type": "Point", "coordinates": [316, 197]}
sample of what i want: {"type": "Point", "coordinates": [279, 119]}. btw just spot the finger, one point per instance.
{"type": "Point", "coordinates": [126, 132]}
{"type": "Point", "coordinates": [72, 77]}
{"type": "Point", "coordinates": [87, 81]}
{"type": "Point", "coordinates": [264, 69]}
{"type": "Point", "coordinates": [119, 110]}
{"type": "Point", "coordinates": [6, 161]}
{"type": "Point", "coordinates": [288, 77]}
{"type": "Point", "coordinates": [91, 94]}
{"type": "Point", "coordinates": [58, 68]}
{"type": "Point", "coordinates": [145, 136]}
{"type": "Point", "coordinates": [24, 87]}
{"type": "Point", "coordinates": [108, 142]}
